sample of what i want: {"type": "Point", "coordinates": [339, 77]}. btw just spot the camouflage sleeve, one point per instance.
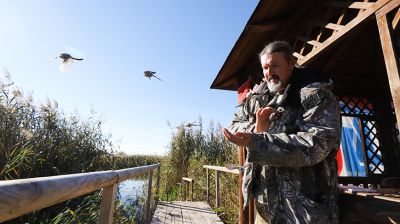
{"type": "Point", "coordinates": [318, 135]}
{"type": "Point", "coordinates": [242, 121]}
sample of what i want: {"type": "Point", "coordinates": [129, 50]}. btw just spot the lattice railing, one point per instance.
{"type": "Point", "coordinates": [363, 109]}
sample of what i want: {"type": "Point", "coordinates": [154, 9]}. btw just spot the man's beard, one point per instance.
{"type": "Point", "coordinates": [275, 87]}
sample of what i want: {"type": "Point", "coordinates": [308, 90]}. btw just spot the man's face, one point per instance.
{"type": "Point", "coordinates": [277, 70]}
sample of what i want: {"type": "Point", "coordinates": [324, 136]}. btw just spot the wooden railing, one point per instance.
{"type": "Point", "coordinates": [22, 196]}
{"type": "Point", "coordinates": [217, 170]}
{"type": "Point", "coordinates": [246, 215]}
{"type": "Point", "coordinates": [185, 188]}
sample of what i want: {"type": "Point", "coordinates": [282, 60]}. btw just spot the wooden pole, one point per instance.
{"type": "Point", "coordinates": [208, 185]}
{"type": "Point", "coordinates": [391, 61]}
{"type": "Point", "coordinates": [241, 162]}
{"type": "Point", "coordinates": [192, 189]}
{"type": "Point", "coordinates": [217, 197]}
{"type": "Point", "coordinates": [148, 202]}
{"type": "Point", "coordinates": [158, 185]}
{"type": "Point", "coordinates": [107, 204]}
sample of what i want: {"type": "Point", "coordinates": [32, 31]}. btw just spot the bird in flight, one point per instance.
{"type": "Point", "coordinates": [67, 57]}
{"type": "Point", "coordinates": [150, 74]}
{"type": "Point", "coordinates": [67, 61]}
{"type": "Point", "coordinates": [188, 125]}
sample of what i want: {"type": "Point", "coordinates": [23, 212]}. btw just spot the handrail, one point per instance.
{"type": "Point", "coordinates": [22, 196]}
{"type": "Point", "coordinates": [222, 168]}
{"type": "Point", "coordinates": [217, 170]}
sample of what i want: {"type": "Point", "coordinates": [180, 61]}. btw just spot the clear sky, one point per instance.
{"type": "Point", "coordinates": [185, 42]}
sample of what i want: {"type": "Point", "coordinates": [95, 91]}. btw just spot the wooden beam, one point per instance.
{"type": "Point", "coordinates": [107, 204]}
{"type": "Point", "coordinates": [297, 55]}
{"type": "Point", "coordinates": [387, 8]}
{"type": "Point", "coordinates": [339, 35]}
{"type": "Point", "coordinates": [391, 62]}
{"type": "Point", "coordinates": [308, 41]}
{"type": "Point", "coordinates": [331, 26]}
{"type": "Point", "coordinates": [264, 27]}
{"type": "Point", "coordinates": [396, 19]}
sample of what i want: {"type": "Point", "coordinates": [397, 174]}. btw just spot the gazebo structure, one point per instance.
{"type": "Point", "coordinates": [357, 43]}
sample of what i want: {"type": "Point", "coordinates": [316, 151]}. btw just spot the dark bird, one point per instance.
{"type": "Point", "coordinates": [187, 125]}
{"type": "Point", "coordinates": [66, 57]}
{"type": "Point", "coordinates": [67, 61]}
{"type": "Point", "coordinates": [150, 74]}
{"type": "Point", "coordinates": [190, 124]}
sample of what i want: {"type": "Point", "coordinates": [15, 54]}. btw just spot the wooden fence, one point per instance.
{"type": "Point", "coordinates": [22, 196]}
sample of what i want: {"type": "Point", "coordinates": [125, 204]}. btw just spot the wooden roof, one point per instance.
{"type": "Point", "coordinates": [339, 38]}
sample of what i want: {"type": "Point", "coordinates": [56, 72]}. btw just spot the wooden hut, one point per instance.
{"type": "Point", "coordinates": [357, 43]}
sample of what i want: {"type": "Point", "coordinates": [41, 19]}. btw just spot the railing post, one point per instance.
{"type": "Point", "coordinates": [107, 204]}
{"type": "Point", "coordinates": [192, 189]}
{"type": "Point", "coordinates": [208, 185]}
{"type": "Point", "coordinates": [158, 184]}
{"type": "Point", "coordinates": [217, 198]}
{"type": "Point", "coordinates": [241, 162]}
{"type": "Point", "coordinates": [148, 202]}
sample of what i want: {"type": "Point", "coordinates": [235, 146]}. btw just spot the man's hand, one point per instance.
{"type": "Point", "coordinates": [262, 118]}
{"type": "Point", "coordinates": [239, 138]}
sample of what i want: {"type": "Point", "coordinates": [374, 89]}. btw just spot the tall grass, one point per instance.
{"type": "Point", "coordinates": [190, 149]}
{"type": "Point", "coordinates": [38, 141]}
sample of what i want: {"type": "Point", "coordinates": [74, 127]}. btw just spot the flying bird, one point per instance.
{"type": "Point", "coordinates": [67, 61]}
{"type": "Point", "coordinates": [150, 74]}
{"type": "Point", "coordinates": [66, 57]}
{"type": "Point", "coordinates": [188, 125]}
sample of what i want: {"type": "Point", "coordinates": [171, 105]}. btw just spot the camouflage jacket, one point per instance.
{"type": "Point", "coordinates": [291, 169]}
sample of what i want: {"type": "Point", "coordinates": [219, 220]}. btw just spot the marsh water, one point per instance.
{"type": "Point", "coordinates": [131, 190]}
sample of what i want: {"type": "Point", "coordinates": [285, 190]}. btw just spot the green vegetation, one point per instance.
{"type": "Point", "coordinates": [37, 141]}
{"type": "Point", "coordinates": [190, 149]}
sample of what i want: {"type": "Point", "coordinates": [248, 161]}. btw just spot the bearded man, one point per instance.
{"type": "Point", "coordinates": [290, 125]}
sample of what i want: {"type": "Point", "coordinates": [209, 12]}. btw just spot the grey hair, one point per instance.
{"type": "Point", "coordinates": [278, 46]}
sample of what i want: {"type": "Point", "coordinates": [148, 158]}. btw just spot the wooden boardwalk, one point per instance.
{"type": "Point", "coordinates": [185, 212]}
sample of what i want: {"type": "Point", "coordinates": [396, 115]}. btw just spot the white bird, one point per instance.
{"type": "Point", "coordinates": [150, 74]}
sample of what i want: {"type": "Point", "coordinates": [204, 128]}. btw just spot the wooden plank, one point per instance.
{"type": "Point", "coordinates": [387, 8]}
{"type": "Point", "coordinates": [308, 41]}
{"type": "Point", "coordinates": [107, 204]}
{"type": "Point", "coordinates": [297, 55]}
{"type": "Point", "coordinates": [187, 179]}
{"type": "Point", "coordinates": [391, 62]}
{"type": "Point", "coordinates": [185, 212]}
{"type": "Point", "coordinates": [334, 26]}
{"type": "Point", "coordinates": [339, 35]}
{"type": "Point", "coordinates": [396, 19]}
{"type": "Point", "coordinates": [331, 26]}
{"type": "Point", "coordinates": [221, 168]}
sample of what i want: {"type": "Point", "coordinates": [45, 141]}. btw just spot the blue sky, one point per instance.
{"type": "Point", "coordinates": [185, 42]}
